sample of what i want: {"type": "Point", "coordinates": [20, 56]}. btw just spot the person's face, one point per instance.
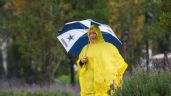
{"type": "Point", "coordinates": [93, 35]}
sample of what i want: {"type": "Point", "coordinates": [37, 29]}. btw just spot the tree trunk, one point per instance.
{"type": "Point", "coordinates": [4, 57]}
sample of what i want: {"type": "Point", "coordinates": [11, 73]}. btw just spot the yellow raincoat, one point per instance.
{"type": "Point", "coordinates": [104, 67]}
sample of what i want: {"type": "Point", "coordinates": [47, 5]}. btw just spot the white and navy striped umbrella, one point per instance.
{"type": "Point", "coordinates": [74, 37]}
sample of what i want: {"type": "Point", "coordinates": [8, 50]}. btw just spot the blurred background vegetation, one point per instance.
{"type": "Point", "coordinates": [29, 29]}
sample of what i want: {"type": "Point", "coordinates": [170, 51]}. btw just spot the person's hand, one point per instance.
{"type": "Point", "coordinates": [112, 86]}
{"type": "Point", "coordinates": [84, 59]}
{"type": "Point", "coordinates": [111, 90]}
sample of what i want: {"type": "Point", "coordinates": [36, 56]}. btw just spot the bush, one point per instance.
{"type": "Point", "coordinates": [63, 79]}
{"type": "Point", "coordinates": [146, 84]}
{"type": "Point", "coordinates": [67, 79]}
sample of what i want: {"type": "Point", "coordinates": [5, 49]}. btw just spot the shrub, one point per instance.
{"type": "Point", "coordinates": [63, 79]}
{"type": "Point", "coordinates": [146, 84]}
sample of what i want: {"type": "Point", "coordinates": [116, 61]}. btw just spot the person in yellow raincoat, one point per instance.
{"type": "Point", "coordinates": [100, 66]}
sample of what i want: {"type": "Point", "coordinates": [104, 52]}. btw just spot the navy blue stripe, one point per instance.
{"type": "Point", "coordinates": [71, 26]}
{"type": "Point", "coordinates": [109, 38]}
{"type": "Point", "coordinates": [94, 23]}
{"type": "Point", "coordinates": [77, 47]}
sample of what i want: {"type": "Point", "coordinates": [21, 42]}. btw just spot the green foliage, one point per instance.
{"type": "Point", "coordinates": [166, 14]}
{"type": "Point", "coordinates": [35, 53]}
{"type": "Point", "coordinates": [146, 84]}
{"type": "Point", "coordinates": [165, 24]}
{"type": "Point", "coordinates": [66, 79]}
{"type": "Point", "coordinates": [2, 3]}
{"type": "Point", "coordinates": [63, 79]}
{"type": "Point", "coordinates": [72, 10]}
{"type": "Point", "coordinates": [129, 16]}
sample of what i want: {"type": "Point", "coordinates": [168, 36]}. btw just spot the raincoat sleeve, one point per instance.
{"type": "Point", "coordinates": [83, 52]}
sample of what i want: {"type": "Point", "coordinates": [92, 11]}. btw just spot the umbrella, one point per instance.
{"type": "Point", "coordinates": [73, 36]}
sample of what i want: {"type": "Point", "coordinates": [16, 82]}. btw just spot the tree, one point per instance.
{"type": "Point", "coordinates": [35, 53]}
{"type": "Point", "coordinates": [129, 16]}
{"type": "Point", "coordinates": [165, 22]}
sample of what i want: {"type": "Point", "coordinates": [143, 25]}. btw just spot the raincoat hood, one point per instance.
{"type": "Point", "coordinates": [98, 34]}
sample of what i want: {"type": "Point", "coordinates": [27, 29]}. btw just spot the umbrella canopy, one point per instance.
{"type": "Point", "coordinates": [73, 35]}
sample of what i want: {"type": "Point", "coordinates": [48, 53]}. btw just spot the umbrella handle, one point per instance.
{"type": "Point", "coordinates": [86, 65]}
{"type": "Point", "coordinates": [87, 48]}
{"type": "Point", "coordinates": [86, 53]}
